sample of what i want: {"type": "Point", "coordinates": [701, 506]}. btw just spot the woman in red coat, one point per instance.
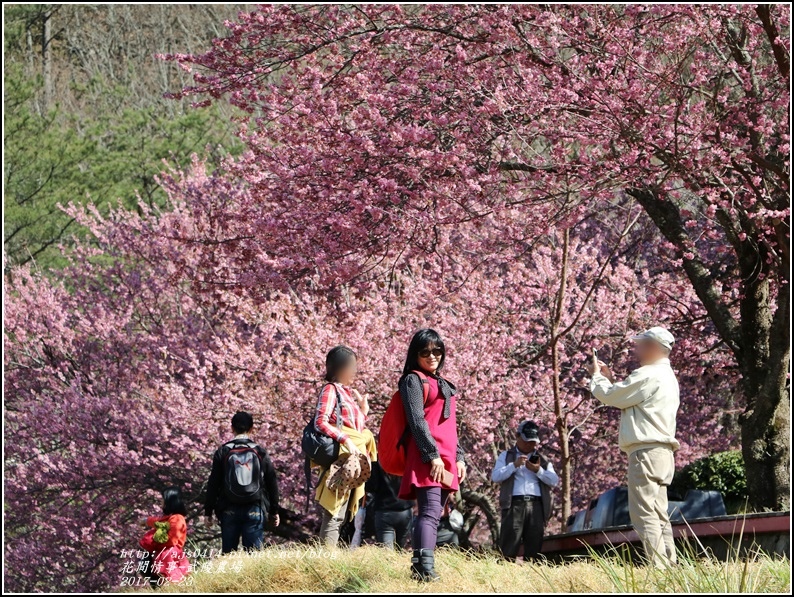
{"type": "Point", "coordinates": [165, 541]}
{"type": "Point", "coordinates": [434, 459]}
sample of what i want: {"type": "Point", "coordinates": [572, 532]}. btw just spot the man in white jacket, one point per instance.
{"type": "Point", "coordinates": [525, 480]}
{"type": "Point", "coordinates": [648, 400]}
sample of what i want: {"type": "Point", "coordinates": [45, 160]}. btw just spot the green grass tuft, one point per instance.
{"type": "Point", "coordinates": [314, 569]}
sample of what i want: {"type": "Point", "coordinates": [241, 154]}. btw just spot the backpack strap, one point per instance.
{"type": "Point", "coordinates": [239, 443]}
{"type": "Point", "coordinates": [425, 384]}
{"type": "Point", "coordinates": [307, 471]}
{"type": "Point", "coordinates": [337, 405]}
{"type": "Point", "coordinates": [425, 395]}
{"type": "Point", "coordinates": [246, 443]}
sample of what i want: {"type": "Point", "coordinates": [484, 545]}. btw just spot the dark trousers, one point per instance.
{"type": "Point", "coordinates": [246, 521]}
{"type": "Point", "coordinates": [522, 522]}
{"type": "Point", "coordinates": [430, 502]}
{"type": "Point", "coordinates": [446, 534]}
{"type": "Point", "coordinates": [392, 527]}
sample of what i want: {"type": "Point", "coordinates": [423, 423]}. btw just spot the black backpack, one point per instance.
{"type": "Point", "coordinates": [242, 476]}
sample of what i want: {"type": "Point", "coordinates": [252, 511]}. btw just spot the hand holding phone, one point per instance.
{"type": "Point", "coordinates": [438, 470]}
{"type": "Point", "coordinates": [594, 367]}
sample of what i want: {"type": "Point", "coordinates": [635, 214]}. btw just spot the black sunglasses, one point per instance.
{"type": "Point", "coordinates": [436, 352]}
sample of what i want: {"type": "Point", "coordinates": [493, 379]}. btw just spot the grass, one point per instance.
{"type": "Point", "coordinates": [313, 569]}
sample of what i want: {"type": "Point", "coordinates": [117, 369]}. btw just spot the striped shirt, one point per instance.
{"type": "Point", "coordinates": [325, 420]}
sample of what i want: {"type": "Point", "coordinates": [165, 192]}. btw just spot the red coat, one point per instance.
{"type": "Point", "coordinates": [169, 560]}
{"type": "Point", "coordinates": [177, 534]}
{"type": "Point", "coordinates": [445, 434]}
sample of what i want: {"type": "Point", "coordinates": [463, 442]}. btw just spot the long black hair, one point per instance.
{"type": "Point", "coordinates": [172, 501]}
{"type": "Point", "coordinates": [337, 359]}
{"type": "Point", "coordinates": [421, 340]}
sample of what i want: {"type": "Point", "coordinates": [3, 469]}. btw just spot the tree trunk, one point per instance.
{"type": "Point", "coordinates": [760, 343]}
{"type": "Point", "coordinates": [561, 424]}
{"type": "Point", "coordinates": [564, 437]}
{"type": "Point", "coordinates": [481, 501]}
{"type": "Point", "coordinates": [46, 59]}
{"type": "Point", "coordinates": [561, 417]}
{"type": "Point", "coordinates": [766, 423]}
{"type": "Point", "coordinates": [565, 480]}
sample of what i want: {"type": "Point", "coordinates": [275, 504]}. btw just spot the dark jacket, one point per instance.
{"type": "Point", "coordinates": [414, 403]}
{"type": "Point", "coordinates": [384, 489]}
{"type": "Point", "coordinates": [506, 488]}
{"type": "Point", "coordinates": [216, 500]}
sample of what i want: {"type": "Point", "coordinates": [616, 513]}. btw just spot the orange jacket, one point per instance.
{"type": "Point", "coordinates": [177, 533]}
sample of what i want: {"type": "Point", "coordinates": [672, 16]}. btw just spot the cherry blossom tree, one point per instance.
{"type": "Point", "coordinates": [120, 377]}
{"type": "Point", "coordinates": [485, 170]}
{"type": "Point", "coordinates": [399, 124]}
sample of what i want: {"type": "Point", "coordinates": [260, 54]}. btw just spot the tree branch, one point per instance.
{"type": "Point", "coordinates": [522, 167]}
{"type": "Point", "coordinates": [783, 65]}
{"type": "Point", "coordinates": [667, 219]}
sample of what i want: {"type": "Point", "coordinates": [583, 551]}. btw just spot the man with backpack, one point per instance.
{"type": "Point", "coordinates": [242, 490]}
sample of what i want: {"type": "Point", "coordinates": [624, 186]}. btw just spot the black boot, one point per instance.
{"type": "Point", "coordinates": [422, 566]}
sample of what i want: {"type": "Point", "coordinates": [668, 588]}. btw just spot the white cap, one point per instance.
{"type": "Point", "coordinates": [661, 335]}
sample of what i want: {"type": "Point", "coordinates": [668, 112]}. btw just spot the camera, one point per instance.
{"type": "Point", "coordinates": [535, 458]}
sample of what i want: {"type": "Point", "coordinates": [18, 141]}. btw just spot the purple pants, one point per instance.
{"type": "Point", "coordinates": [431, 502]}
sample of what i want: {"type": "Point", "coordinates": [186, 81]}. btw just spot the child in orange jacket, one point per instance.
{"type": "Point", "coordinates": [165, 540]}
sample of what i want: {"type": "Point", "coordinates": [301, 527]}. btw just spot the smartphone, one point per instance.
{"type": "Point", "coordinates": [595, 354]}
{"type": "Point", "coordinates": [447, 478]}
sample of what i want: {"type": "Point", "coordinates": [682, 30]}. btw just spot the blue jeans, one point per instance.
{"type": "Point", "coordinates": [247, 521]}
{"type": "Point", "coordinates": [392, 527]}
